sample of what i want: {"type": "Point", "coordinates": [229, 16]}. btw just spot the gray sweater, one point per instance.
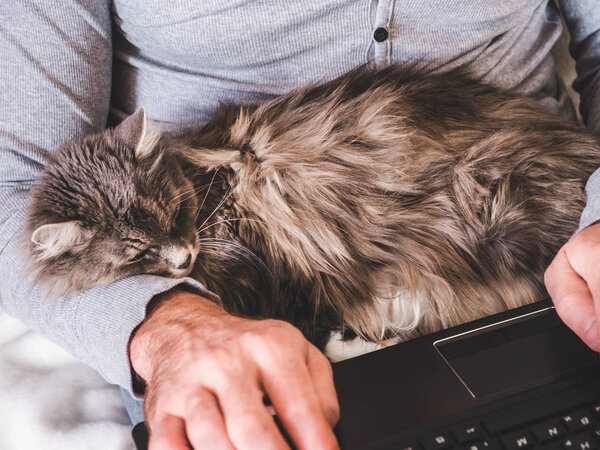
{"type": "Point", "coordinates": [67, 68]}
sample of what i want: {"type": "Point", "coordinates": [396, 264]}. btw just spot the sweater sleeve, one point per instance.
{"type": "Point", "coordinates": [583, 21]}
{"type": "Point", "coordinates": [55, 81]}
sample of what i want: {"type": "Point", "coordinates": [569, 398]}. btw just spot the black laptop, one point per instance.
{"type": "Point", "coordinates": [519, 379]}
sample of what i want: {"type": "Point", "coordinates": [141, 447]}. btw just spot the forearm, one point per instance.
{"type": "Point", "coordinates": [96, 325]}
{"type": "Point", "coordinates": [583, 21]}
{"type": "Point", "coordinates": [55, 84]}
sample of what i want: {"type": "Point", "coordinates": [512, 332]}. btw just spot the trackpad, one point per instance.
{"type": "Point", "coordinates": [515, 355]}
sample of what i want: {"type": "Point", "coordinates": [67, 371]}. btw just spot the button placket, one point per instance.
{"type": "Point", "coordinates": [381, 33]}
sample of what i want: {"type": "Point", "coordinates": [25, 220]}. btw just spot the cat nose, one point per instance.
{"type": "Point", "coordinates": [186, 263]}
{"type": "Point", "coordinates": [178, 258]}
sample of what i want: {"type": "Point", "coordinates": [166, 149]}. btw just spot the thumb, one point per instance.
{"type": "Point", "coordinates": [572, 299]}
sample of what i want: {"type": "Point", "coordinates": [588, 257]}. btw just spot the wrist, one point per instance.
{"type": "Point", "coordinates": [164, 325]}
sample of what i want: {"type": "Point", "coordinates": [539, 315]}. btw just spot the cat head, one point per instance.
{"type": "Point", "coordinates": [111, 206]}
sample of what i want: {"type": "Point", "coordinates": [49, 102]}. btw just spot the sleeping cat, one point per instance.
{"type": "Point", "coordinates": [385, 203]}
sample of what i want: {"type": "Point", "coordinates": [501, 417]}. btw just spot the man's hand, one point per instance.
{"type": "Point", "coordinates": [573, 282]}
{"type": "Point", "coordinates": [207, 373]}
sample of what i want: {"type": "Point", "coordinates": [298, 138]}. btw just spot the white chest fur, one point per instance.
{"type": "Point", "coordinates": [401, 313]}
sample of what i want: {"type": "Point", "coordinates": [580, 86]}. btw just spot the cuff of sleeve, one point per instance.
{"type": "Point", "coordinates": [591, 213]}
{"type": "Point", "coordinates": [106, 317]}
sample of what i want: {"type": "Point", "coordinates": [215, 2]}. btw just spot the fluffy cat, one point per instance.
{"type": "Point", "coordinates": [385, 202]}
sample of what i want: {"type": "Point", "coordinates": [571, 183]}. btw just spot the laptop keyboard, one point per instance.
{"type": "Point", "coordinates": [577, 429]}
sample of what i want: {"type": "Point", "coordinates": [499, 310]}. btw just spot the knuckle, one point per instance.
{"type": "Point", "coordinates": [195, 404]}
{"type": "Point", "coordinates": [267, 332]}
{"type": "Point", "coordinates": [215, 359]}
{"type": "Point", "coordinates": [564, 307]}
{"type": "Point", "coordinates": [222, 363]}
{"type": "Point", "coordinates": [223, 376]}
{"type": "Point", "coordinates": [251, 424]}
{"type": "Point", "coordinates": [258, 338]}
{"type": "Point", "coordinates": [301, 408]}
{"type": "Point", "coordinates": [284, 331]}
{"type": "Point", "coordinates": [228, 384]}
{"type": "Point", "coordinates": [273, 331]}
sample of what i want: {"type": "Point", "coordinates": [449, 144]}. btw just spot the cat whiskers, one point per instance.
{"type": "Point", "coordinates": [229, 220]}
{"type": "Point", "coordinates": [223, 200]}
{"type": "Point", "coordinates": [212, 180]}
{"type": "Point", "coordinates": [219, 244]}
{"type": "Point", "coordinates": [219, 250]}
{"type": "Point", "coordinates": [191, 192]}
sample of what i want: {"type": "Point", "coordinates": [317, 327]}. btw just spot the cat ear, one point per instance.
{"type": "Point", "coordinates": [133, 132]}
{"type": "Point", "coordinates": [55, 238]}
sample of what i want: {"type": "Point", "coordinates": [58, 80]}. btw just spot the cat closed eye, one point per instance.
{"type": "Point", "coordinates": [150, 253]}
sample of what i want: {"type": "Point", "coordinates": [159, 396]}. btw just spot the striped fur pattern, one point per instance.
{"type": "Point", "coordinates": [429, 192]}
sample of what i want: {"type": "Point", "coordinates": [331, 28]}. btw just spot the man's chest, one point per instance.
{"type": "Point", "coordinates": [290, 43]}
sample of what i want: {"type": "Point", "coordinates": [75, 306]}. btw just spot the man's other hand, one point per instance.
{"type": "Point", "coordinates": [207, 373]}
{"type": "Point", "coordinates": [573, 282]}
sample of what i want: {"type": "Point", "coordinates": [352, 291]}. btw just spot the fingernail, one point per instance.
{"type": "Point", "coordinates": [590, 333]}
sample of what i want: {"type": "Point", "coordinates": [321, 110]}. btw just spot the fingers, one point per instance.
{"type": "Point", "coordinates": [212, 389]}
{"type": "Point", "coordinates": [168, 433]}
{"type": "Point", "coordinates": [573, 300]}
{"type": "Point", "coordinates": [322, 378]}
{"type": "Point", "coordinates": [204, 424]}
{"type": "Point", "coordinates": [298, 407]}
{"type": "Point", "coordinates": [248, 422]}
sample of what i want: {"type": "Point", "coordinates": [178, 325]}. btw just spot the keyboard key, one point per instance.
{"type": "Point", "coordinates": [581, 443]}
{"type": "Point", "coordinates": [483, 445]}
{"type": "Point", "coordinates": [579, 420]}
{"type": "Point", "coordinates": [468, 432]}
{"type": "Point", "coordinates": [437, 441]}
{"type": "Point", "coordinates": [530, 411]}
{"type": "Point", "coordinates": [517, 440]}
{"type": "Point", "coordinates": [548, 431]}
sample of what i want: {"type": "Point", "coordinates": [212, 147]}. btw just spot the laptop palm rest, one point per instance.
{"type": "Point", "coordinates": [476, 367]}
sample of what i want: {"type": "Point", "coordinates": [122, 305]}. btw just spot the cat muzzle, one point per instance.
{"type": "Point", "coordinates": [180, 260]}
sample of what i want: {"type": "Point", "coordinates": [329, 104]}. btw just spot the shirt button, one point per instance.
{"type": "Point", "coordinates": [380, 34]}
